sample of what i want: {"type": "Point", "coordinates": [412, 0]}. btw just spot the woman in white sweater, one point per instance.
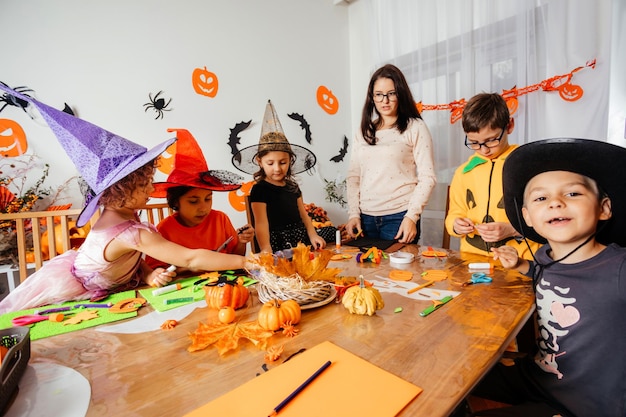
{"type": "Point", "coordinates": [391, 173]}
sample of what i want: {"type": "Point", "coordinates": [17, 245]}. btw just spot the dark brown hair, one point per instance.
{"type": "Point", "coordinates": [407, 108]}
{"type": "Point", "coordinates": [485, 110]}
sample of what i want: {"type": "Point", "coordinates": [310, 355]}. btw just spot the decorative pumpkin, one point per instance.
{"type": "Point", "coordinates": [76, 233]}
{"type": "Point", "coordinates": [274, 314]}
{"type": "Point", "coordinates": [361, 299]}
{"type": "Point", "coordinates": [226, 293]}
{"type": "Point", "coordinates": [12, 139]}
{"type": "Point", "coordinates": [204, 82]}
{"type": "Point", "coordinates": [226, 315]}
{"type": "Point", "coordinates": [237, 198]}
{"type": "Point", "coordinates": [327, 100]}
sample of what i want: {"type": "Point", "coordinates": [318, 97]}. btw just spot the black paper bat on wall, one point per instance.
{"type": "Point", "coordinates": [303, 124]}
{"type": "Point", "coordinates": [233, 139]}
{"type": "Point", "coordinates": [342, 151]}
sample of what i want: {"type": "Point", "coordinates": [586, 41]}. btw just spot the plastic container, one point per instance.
{"type": "Point", "coordinates": [17, 339]}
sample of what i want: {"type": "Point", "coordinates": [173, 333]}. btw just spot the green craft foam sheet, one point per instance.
{"type": "Point", "coordinates": [187, 290]}
{"type": "Point", "coordinates": [47, 328]}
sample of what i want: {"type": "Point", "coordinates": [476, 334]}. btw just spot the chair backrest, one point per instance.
{"type": "Point", "coordinates": [154, 213]}
{"type": "Point", "coordinates": [31, 221]}
{"type": "Point", "coordinates": [254, 245]}
{"type": "Point", "coordinates": [445, 243]}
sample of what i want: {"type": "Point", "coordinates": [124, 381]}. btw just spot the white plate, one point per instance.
{"type": "Point", "coordinates": [331, 297]}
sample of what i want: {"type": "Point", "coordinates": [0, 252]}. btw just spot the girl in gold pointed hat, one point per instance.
{"type": "Point", "coordinates": [280, 219]}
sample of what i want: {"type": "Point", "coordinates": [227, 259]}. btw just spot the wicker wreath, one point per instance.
{"type": "Point", "coordinates": [295, 288]}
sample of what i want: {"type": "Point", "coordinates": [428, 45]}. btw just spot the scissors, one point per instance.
{"type": "Point", "coordinates": [478, 277]}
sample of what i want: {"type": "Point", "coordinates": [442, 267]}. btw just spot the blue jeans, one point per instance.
{"type": "Point", "coordinates": [385, 227]}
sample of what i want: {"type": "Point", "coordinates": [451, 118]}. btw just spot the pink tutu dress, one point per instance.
{"type": "Point", "coordinates": [84, 273]}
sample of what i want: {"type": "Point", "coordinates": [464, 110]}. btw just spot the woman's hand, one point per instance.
{"type": "Point", "coordinates": [407, 231]}
{"type": "Point", "coordinates": [353, 227]}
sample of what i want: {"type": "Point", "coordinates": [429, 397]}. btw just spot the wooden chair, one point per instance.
{"type": "Point", "coordinates": [30, 221]}
{"type": "Point", "coordinates": [155, 213]}
{"type": "Point", "coordinates": [254, 245]}
{"type": "Point", "coordinates": [445, 242]}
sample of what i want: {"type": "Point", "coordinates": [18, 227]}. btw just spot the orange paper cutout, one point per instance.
{"type": "Point", "coordinates": [560, 83]}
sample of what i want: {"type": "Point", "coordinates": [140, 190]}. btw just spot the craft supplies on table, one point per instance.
{"type": "Point", "coordinates": [401, 257]}
{"type": "Point", "coordinates": [267, 390]}
{"type": "Point", "coordinates": [47, 328]}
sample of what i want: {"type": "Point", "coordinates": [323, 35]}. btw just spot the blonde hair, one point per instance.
{"type": "Point", "coordinates": [120, 194]}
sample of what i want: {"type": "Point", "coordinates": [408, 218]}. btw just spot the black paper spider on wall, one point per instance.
{"type": "Point", "coordinates": [158, 104]}
{"type": "Point", "coordinates": [10, 100]}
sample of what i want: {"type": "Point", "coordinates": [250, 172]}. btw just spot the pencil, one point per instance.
{"type": "Point", "coordinates": [223, 245]}
{"type": "Point", "coordinates": [299, 389]}
{"type": "Point", "coordinates": [419, 287]}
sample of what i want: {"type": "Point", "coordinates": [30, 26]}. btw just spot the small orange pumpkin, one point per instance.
{"type": "Point", "coordinates": [12, 139]}
{"type": "Point", "coordinates": [275, 313]}
{"type": "Point", "coordinates": [226, 315]}
{"type": "Point", "coordinates": [225, 293]}
{"type": "Point", "coordinates": [327, 100]}
{"type": "Point", "coordinates": [204, 82]}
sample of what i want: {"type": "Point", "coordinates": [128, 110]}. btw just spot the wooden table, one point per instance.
{"type": "Point", "coordinates": [445, 353]}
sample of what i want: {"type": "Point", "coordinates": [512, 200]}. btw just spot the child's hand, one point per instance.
{"type": "Point", "coordinates": [160, 277]}
{"type": "Point", "coordinates": [507, 255]}
{"type": "Point", "coordinates": [318, 242]}
{"type": "Point", "coordinates": [463, 226]}
{"type": "Point", "coordinates": [496, 231]}
{"type": "Point", "coordinates": [245, 233]}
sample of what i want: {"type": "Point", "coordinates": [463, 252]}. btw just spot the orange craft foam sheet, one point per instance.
{"type": "Point", "coordinates": [322, 396]}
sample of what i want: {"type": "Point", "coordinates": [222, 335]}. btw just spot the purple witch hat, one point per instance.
{"type": "Point", "coordinates": [102, 158]}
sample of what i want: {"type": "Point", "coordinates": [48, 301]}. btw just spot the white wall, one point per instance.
{"type": "Point", "coordinates": [104, 58]}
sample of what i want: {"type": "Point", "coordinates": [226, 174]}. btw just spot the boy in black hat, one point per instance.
{"type": "Point", "coordinates": [569, 195]}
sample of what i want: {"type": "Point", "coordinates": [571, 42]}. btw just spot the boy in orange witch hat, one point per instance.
{"type": "Point", "coordinates": [189, 192]}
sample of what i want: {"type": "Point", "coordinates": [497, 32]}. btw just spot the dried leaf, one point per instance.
{"type": "Point", "coordinates": [226, 337]}
{"type": "Point", "coordinates": [301, 264]}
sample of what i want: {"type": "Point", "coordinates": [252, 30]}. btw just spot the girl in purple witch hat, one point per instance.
{"type": "Point", "coordinates": [120, 176]}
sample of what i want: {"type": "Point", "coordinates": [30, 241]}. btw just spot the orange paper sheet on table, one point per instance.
{"type": "Point", "coordinates": [325, 396]}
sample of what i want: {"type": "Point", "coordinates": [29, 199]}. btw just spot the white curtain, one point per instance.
{"type": "Point", "coordinates": [450, 50]}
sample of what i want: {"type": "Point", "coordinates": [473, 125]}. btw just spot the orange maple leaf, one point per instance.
{"type": "Point", "coordinates": [226, 337]}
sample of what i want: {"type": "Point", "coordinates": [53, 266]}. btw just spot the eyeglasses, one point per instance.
{"type": "Point", "coordinates": [491, 143]}
{"type": "Point", "coordinates": [391, 96]}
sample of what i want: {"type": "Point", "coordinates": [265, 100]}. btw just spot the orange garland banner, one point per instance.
{"type": "Point", "coordinates": [560, 83]}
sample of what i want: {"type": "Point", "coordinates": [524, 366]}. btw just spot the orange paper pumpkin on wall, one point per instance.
{"type": "Point", "coordinates": [237, 198]}
{"type": "Point", "coordinates": [204, 82]}
{"type": "Point", "coordinates": [166, 159]}
{"type": "Point", "coordinates": [327, 100]}
{"type": "Point", "coordinates": [12, 138]}
{"type": "Point", "coordinates": [570, 92]}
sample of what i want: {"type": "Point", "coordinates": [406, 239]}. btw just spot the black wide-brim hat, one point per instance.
{"type": "Point", "coordinates": [601, 161]}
